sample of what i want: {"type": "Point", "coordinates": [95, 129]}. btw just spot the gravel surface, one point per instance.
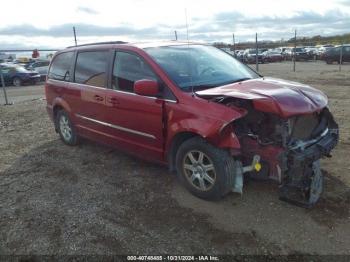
{"type": "Point", "coordinates": [92, 199]}
{"type": "Point", "coordinates": [23, 93]}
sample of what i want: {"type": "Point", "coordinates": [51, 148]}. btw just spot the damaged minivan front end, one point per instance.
{"type": "Point", "coordinates": [285, 130]}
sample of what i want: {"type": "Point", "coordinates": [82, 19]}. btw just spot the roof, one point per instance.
{"type": "Point", "coordinates": [162, 43]}
{"type": "Point", "coordinates": [141, 45]}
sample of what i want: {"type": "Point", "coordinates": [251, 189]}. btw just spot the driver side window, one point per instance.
{"type": "Point", "coordinates": [127, 69]}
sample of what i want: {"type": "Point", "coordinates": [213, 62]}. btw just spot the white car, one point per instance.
{"type": "Point", "coordinates": [40, 67]}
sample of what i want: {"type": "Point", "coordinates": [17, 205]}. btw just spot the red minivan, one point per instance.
{"type": "Point", "coordinates": [197, 109]}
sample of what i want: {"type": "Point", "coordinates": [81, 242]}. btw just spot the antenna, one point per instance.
{"type": "Point", "coordinates": [188, 41]}
{"type": "Point", "coordinates": [75, 36]}
{"type": "Point", "coordinates": [188, 47]}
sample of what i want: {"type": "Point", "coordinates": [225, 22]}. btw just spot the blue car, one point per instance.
{"type": "Point", "coordinates": [18, 75]}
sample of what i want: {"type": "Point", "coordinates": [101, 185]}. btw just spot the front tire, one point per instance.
{"type": "Point", "coordinates": [66, 129]}
{"type": "Point", "coordinates": [17, 81]}
{"type": "Point", "coordinates": [206, 171]}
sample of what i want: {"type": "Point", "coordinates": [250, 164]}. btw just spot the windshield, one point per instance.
{"type": "Point", "coordinates": [199, 66]}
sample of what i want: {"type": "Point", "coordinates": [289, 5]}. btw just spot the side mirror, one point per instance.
{"type": "Point", "coordinates": [146, 87]}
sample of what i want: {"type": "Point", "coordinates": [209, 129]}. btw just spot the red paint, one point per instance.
{"type": "Point", "coordinates": [162, 120]}
{"type": "Point", "coordinates": [146, 87]}
{"type": "Point", "coordinates": [269, 154]}
{"type": "Point", "coordinates": [276, 96]}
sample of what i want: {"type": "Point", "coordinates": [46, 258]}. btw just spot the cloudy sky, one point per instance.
{"type": "Point", "coordinates": [48, 24]}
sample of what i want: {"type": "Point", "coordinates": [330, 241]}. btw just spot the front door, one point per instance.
{"type": "Point", "coordinates": [136, 121]}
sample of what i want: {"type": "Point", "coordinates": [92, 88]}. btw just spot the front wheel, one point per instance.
{"type": "Point", "coordinates": [17, 81]}
{"type": "Point", "coordinates": [206, 171]}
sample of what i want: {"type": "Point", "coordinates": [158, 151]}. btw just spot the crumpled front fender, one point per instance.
{"type": "Point", "coordinates": [216, 132]}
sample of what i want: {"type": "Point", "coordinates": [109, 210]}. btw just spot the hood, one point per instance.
{"type": "Point", "coordinates": [272, 95]}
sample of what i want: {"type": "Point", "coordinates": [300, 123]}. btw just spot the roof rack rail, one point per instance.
{"type": "Point", "coordinates": [100, 43]}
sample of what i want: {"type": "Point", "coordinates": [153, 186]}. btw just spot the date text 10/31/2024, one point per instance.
{"type": "Point", "coordinates": [173, 258]}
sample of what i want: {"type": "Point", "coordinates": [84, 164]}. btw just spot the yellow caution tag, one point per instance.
{"type": "Point", "coordinates": [257, 167]}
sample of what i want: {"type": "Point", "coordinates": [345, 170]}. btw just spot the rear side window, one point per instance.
{"type": "Point", "coordinates": [60, 66]}
{"type": "Point", "coordinates": [127, 69]}
{"type": "Point", "coordinates": [91, 68]}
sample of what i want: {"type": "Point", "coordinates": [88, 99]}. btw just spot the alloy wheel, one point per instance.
{"type": "Point", "coordinates": [199, 170]}
{"type": "Point", "coordinates": [65, 128]}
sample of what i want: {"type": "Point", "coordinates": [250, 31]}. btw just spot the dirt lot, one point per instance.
{"type": "Point", "coordinates": [91, 199]}
{"type": "Point", "coordinates": [20, 94]}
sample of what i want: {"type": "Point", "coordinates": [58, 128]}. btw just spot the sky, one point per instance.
{"type": "Point", "coordinates": [48, 24]}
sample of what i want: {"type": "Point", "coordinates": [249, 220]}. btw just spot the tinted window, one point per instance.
{"type": "Point", "coordinates": [127, 69]}
{"type": "Point", "coordinates": [91, 68]}
{"type": "Point", "coordinates": [60, 66]}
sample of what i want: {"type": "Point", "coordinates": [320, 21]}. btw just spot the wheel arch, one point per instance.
{"type": "Point", "coordinates": [16, 77]}
{"type": "Point", "coordinates": [59, 104]}
{"type": "Point", "coordinates": [177, 140]}
{"type": "Point", "coordinates": [217, 133]}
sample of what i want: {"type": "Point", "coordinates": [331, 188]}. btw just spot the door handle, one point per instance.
{"type": "Point", "coordinates": [113, 101]}
{"type": "Point", "coordinates": [98, 98]}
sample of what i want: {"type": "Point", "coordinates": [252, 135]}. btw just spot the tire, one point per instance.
{"type": "Point", "coordinates": [66, 129]}
{"type": "Point", "coordinates": [17, 81]}
{"type": "Point", "coordinates": [328, 61]}
{"type": "Point", "coordinates": [211, 184]}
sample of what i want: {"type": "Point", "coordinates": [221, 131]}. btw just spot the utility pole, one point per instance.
{"type": "Point", "coordinates": [256, 52]}
{"type": "Point", "coordinates": [295, 47]}
{"type": "Point", "coordinates": [175, 35]}
{"type": "Point", "coordinates": [3, 87]}
{"type": "Point", "coordinates": [75, 36]}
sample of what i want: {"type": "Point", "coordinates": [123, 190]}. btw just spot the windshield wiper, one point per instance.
{"type": "Point", "coordinates": [207, 86]}
{"type": "Point", "coordinates": [201, 86]}
{"type": "Point", "coordinates": [240, 80]}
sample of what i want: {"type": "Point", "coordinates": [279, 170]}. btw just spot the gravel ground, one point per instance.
{"type": "Point", "coordinates": [92, 199]}
{"type": "Point", "coordinates": [23, 93]}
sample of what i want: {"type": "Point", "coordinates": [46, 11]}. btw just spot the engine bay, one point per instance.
{"type": "Point", "coordinates": [289, 149]}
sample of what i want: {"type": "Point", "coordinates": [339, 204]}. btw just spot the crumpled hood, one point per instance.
{"type": "Point", "coordinates": [273, 95]}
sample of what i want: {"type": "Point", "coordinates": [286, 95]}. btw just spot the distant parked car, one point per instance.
{"type": "Point", "coordinates": [288, 53]}
{"type": "Point", "coordinates": [299, 52]}
{"type": "Point", "coordinates": [333, 54]}
{"type": "Point", "coordinates": [272, 56]}
{"type": "Point", "coordinates": [312, 51]}
{"type": "Point", "coordinates": [322, 50]}
{"type": "Point", "coordinates": [250, 56]}
{"type": "Point", "coordinates": [41, 67]}
{"type": "Point", "coordinates": [18, 75]}
{"type": "Point", "coordinates": [240, 55]}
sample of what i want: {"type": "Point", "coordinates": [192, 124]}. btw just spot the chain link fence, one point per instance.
{"type": "Point", "coordinates": [315, 48]}
{"type": "Point", "coordinates": [313, 45]}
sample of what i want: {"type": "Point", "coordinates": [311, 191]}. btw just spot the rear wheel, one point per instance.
{"type": "Point", "coordinates": [206, 171]}
{"type": "Point", "coordinates": [328, 61]}
{"type": "Point", "coordinates": [17, 81]}
{"type": "Point", "coordinates": [66, 129]}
